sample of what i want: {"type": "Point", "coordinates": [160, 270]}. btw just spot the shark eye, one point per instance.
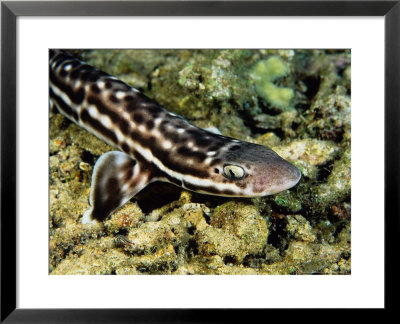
{"type": "Point", "coordinates": [233, 172]}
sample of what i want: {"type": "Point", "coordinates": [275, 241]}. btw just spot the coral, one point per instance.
{"type": "Point", "coordinates": [337, 187]}
{"type": "Point", "coordinates": [236, 230]}
{"type": "Point", "coordinates": [300, 228]}
{"type": "Point", "coordinates": [264, 73]}
{"type": "Point", "coordinates": [309, 155]}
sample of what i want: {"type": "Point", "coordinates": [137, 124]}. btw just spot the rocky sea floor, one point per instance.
{"type": "Point", "coordinates": [296, 102]}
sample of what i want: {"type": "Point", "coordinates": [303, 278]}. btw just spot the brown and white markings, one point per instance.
{"type": "Point", "coordinates": [156, 145]}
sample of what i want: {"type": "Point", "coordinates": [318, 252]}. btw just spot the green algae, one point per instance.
{"type": "Point", "coordinates": [300, 231]}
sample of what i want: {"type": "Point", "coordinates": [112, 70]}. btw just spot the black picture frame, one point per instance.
{"type": "Point", "coordinates": [9, 13]}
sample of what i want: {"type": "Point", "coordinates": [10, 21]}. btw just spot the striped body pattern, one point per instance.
{"type": "Point", "coordinates": [155, 144]}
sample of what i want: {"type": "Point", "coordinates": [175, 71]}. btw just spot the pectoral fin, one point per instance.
{"type": "Point", "coordinates": [116, 179]}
